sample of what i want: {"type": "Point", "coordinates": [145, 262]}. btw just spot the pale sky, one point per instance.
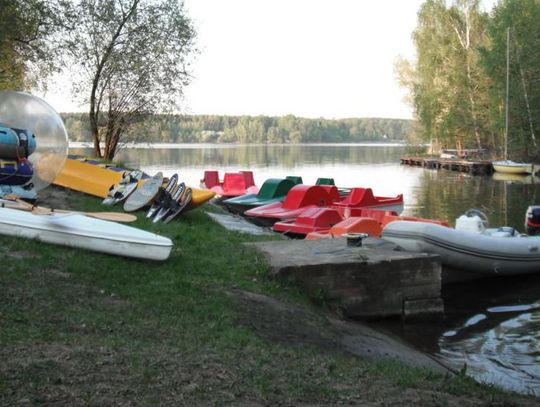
{"type": "Point", "coordinates": [309, 58]}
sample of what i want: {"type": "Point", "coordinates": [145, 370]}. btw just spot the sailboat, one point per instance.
{"type": "Point", "coordinates": [508, 166]}
{"type": "Point", "coordinates": [512, 167]}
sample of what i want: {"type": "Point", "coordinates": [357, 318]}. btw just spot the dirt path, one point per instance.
{"type": "Point", "coordinates": [291, 324]}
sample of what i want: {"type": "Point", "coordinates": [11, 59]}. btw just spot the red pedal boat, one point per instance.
{"type": "Point", "coordinates": [370, 221]}
{"type": "Point", "coordinates": [310, 220]}
{"type": "Point", "coordinates": [363, 198]}
{"type": "Point", "coordinates": [233, 184]}
{"type": "Point", "coordinates": [302, 197]}
{"type": "Point", "coordinates": [299, 198]}
{"type": "Point", "coordinates": [328, 222]}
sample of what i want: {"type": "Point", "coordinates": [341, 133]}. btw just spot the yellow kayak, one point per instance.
{"type": "Point", "coordinates": [96, 179]}
{"type": "Point", "coordinates": [87, 177]}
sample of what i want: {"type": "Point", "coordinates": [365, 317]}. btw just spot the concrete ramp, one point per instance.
{"type": "Point", "coordinates": [372, 281]}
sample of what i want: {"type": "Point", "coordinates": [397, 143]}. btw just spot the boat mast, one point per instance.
{"type": "Point", "coordinates": [507, 91]}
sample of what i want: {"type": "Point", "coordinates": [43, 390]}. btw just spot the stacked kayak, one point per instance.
{"type": "Point", "coordinates": [273, 190]}
{"type": "Point", "coordinates": [89, 177]}
{"type": "Point", "coordinates": [233, 184]}
{"type": "Point", "coordinates": [80, 231]}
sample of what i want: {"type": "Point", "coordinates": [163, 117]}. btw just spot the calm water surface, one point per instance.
{"type": "Point", "coordinates": [491, 327]}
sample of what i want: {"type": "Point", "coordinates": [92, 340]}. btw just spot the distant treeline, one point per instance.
{"type": "Point", "coordinates": [248, 129]}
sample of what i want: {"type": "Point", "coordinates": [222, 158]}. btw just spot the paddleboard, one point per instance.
{"type": "Point", "coordinates": [179, 206]}
{"type": "Point", "coordinates": [124, 188]}
{"type": "Point", "coordinates": [169, 202]}
{"type": "Point", "coordinates": [144, 194]}
{"type": "Point", "coordinates": [158, 200]}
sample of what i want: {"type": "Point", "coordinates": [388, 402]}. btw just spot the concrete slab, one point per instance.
{"type": "Point", "coordinates": [375, 280]}
{"type": "Point", "coordinates": [239, 224]}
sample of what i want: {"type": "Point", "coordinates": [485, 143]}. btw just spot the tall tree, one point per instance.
{"type": "Point", "coordinates": [132, 57]}
{"type": "Point", "coordinates": [522, 19]}
{"type": "Point", "coordinates": [469, 24]}
{"type": "Point", "coordinates": [446, 83]}
{"type": "Point", "coordinates": [28, 46]}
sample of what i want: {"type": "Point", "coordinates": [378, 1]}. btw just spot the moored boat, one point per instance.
{"type": "Point", "coordinates": [273, 190]}
{"type": "Point", "coordinates": [352, 225]}
{"type": "Point", "coordinates": [310, 220]}
{"type": "Point", "coordinates": [470, 246]}
{"type": "Point", "coordinates": [77, 230]}
{"type": "Point", "coordinates": [368, 221]}
{"type": "Point", "coordinates": [302, 197]}
{"type": "Point", "coordinates": [233, 184]}
{"type": "Point", "coordinates": [299, 198]}
{"type": "Point", "coordinates": [512, 167]}
{"type": "Point", "coordinates": [505, 165]}
{"type": "Point", "coordinates": [363, 198]}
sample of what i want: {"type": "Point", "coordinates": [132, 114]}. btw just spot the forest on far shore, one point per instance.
{"type": "Point", "coordinates": [248, 129]}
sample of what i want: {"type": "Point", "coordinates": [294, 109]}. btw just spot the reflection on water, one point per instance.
{"type": "Point", "coordinates": [491, 326]}
{"type": "Point", "coordinates": [495, 332]}
{"type": "Point", "coordinates": [504, 351]}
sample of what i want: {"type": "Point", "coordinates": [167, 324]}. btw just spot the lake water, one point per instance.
{"type": "Point", "coordinates": [493, 326]}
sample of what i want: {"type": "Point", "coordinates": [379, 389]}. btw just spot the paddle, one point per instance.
{"type": "Point", "coordinates": [40, 210]}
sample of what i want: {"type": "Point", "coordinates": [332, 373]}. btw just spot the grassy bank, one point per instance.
{"type": "Point", "coordinates": [82, 328]}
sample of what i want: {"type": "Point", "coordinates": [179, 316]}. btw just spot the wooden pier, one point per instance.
{"type": "Point", "coordinates": [452, 164]}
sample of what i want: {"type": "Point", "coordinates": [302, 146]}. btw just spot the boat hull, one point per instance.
{"type": "Point", "coordinates": [273, 190]}
{"type": "Point", "coordinates": [79, 231]}
{"type": "Point", "coordinates": [477, 253]}
{"type": "Point", "coordinates": [304, 197]}
{"type": "Point", "coordinates": [511, 167]}
{"type": "Point", "coordinates": [240, 206]}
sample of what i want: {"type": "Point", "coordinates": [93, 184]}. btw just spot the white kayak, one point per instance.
{"type": "Point", "coordinates": [495, 251]}
{"type": "Point", "coordinates": [76, 230]}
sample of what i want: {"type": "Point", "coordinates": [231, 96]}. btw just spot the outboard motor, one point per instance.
{"type": "Point", "coordinates": [532, 220]}
{"type": "Point", "coordinates": [474, 220]}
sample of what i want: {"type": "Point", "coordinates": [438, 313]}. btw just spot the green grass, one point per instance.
{"type": "Point", "coordinates": [86, 328]}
